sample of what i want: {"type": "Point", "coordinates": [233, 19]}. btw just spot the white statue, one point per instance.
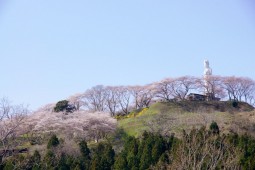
{"type": "Point", "coordinates": [207, 70]}
{"type": "Point", "coordinates": [207, 74]}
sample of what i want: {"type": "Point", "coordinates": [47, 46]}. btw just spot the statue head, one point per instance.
{"type": "Point", "coordinates": [206, 64]}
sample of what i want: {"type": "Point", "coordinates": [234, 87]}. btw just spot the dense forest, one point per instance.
{"type": "Point", "coordinates": [199, 149]}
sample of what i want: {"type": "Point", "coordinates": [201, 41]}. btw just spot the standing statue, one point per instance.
{"type": "Point", "coordinates": [207, 70]}
{"type": "Point", "coordinates": [207, 74]}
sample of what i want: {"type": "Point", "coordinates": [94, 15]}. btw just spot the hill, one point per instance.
{"type": "Point", "coordinates": [87, 140]}
{"type": "Point", "coordinates": [177, 116]}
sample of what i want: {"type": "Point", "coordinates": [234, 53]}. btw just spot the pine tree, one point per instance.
{"type": "Point", "coordinates": [158, 148]}
{"type": "Point", "coordinates": [62, 164]}
{"type": "Point", "coordinates": [85, 158]}
{"type": "Point", "coordinates": [121, 162]}
{"type": "Point", "coordinates": [36, 160]}
{"type": "Point", "coordinates": [103, 157]}
{"type": "Point", "coordinates": [214, 128]}
{"type": "Point", "coordinates": [8, 165]}
{"type": "Point", "coordinates": [53, 142]}
{"type": "Point", "coordinates": [49, 160]}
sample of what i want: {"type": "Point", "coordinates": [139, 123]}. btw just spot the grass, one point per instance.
{"type": "Point", "coordinates": [186, 115]}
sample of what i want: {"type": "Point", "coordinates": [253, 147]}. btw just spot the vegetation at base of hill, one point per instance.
{"type": "Point", "coordinates": [198, 149]}
{"type": "Point", "coordinates": [165, 135]}
{"type": "Point", "coordinates": [53, 142]}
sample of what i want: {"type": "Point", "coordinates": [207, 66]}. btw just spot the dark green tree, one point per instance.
{"type": "Point", "coordinates": [235, 104]}
{"type": "Point", "coordinates": [85, 155]}
{"type": "Point", "coordinates": [103, 158]}
{"type": "Point", "coordinates": [145, 150]}
{"type": "Point", "coordinates": [84, 150]}
{"type": "Point", "coordinates": [121, 162]}
{"type": "Point", "coordinates": [247, 144]}
{"type": "Point", "coordinates": [64, 105]}
{"type": "Point", "coordinates": [61, 106]}
{"type": "Point", "coordinates": [62, 164]}
{"type": "Point", "coordinates": [9, 165]}
{"type": "Point", "coordinates": [49, 161]}
{"type": "Point", "coordinates": [158, 148]}
{"type": "Point", "coordinates": [131, 148]}
{"type": "Point", "coordinates": [214, 128]}
{"type": "Point", "coordinates": [53, 142]}
{"type": "Point", "coordinates": [35, 161]}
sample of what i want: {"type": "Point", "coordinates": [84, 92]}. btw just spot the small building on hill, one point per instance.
{"type": "Point", "coordinates": [201, 97]}
{"type": "Point", "coordinates": [196, 97]}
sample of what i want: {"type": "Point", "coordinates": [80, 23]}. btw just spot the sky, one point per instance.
{"type": "Point", "coordinates": [50, 50]}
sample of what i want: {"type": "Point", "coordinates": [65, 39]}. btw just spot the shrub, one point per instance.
{"type": "Point", "coordinates": [235, 104]}
{"type": "Point", "coordinates": [61, 106]}
{"type": "Point", "coordinates": [53, 142]}
{"type": "Point", "coordinates": [64, 105]}
{"type": "Point", "coordinates": [214, 128]}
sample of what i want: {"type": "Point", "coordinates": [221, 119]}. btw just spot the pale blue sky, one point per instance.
{"type": "Point", "coordinates": [51, 49]}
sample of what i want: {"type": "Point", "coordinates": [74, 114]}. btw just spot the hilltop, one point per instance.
{"type": "Point", "coordinates": [173, 117]}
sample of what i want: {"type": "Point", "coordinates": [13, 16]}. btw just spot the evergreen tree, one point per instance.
{"type": "Point", "coordinates": [53, 142]}
{"type": "Point", "coordinates": [145, 149]}
{"type": "Point", "coordinates": [247, 144]}
{"type": "Point", "coordinates": [62, 165]}
{"type": "Point", "coordinates": [49, 160]}
{"type": "Point", "coordinates": [61, 106]}
{"type": "Point", "coordinates": [85, 158]}
{"type": "Point", "coordinates": [158, 149]}
{"type": "Point", "coordinates": [146, 158]}
{"type": "Point", "coordinates": [64, 105]}
{"type": "Point", "coordinates": [85, 152]}
{"type": "Point", "coordinates": [103, 157]}
{"type": "Point", "coordinates": [121, 162]}
{"type": "Point", "coordinates": [35, 161]}
{"type": "Point", "coordinates": [131, 149]}
{"type": "Point", "coordinates": [214, 128]}
{"type": "Point", "coordinates": [73, 162]}
{"type": "Point", "coordinates": [9, 165]}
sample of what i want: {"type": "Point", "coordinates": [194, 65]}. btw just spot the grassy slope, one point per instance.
{"type": "Point", "coordinates": [187, 115]}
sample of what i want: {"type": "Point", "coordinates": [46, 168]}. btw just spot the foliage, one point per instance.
{"type": "Point", "coordinates": [85, 155]}
{"type": "Point", "coordinates": [53, 142]}
{"type": "Point", "coordinates": [235, 104]}
{"type": "Point", "coordinates": [79, 124]}
{"type": "Point", "coordinates": [133, 114]}
{"type": "Point", "coordinates": [214, 128]}
{"type": "Point", "coordinates": [247, 144]}
{"type": "Point", "coordinates": [141, 154]}
{"type": "Point", "coordinates": [198, 149]}
{"type": "Point", "coordinates": [64, 105]}
{"type": "Point", "coordinates": [103, 157]}
{"type": "Point", "coordinates": [61, 106]}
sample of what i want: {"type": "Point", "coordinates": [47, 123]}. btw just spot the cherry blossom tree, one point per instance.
{"type": "Point", "coordinates": [112, 102]}
{"type": "Point", "coordinates": [213, 86]}
{"type": "Point", "coordinates": [125, 99]}
{"type": "Point", "coordinates": [239, 88]}
{"type": "Point", "coordinates": [182, 86]}
{"type": "Point", "coordinates": [163, 89]}
{"type": "Point", "coordinates": [94, 99]}
{"type": "Point", "coordinates": [11, 119]}
{"type": "Point", "coordinates": [76, 100]}
{"type": "Point", "coordinates": [142, 95]}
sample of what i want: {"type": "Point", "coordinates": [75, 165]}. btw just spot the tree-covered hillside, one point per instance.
{"type": "Point", "coordinates": [166, 135]}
